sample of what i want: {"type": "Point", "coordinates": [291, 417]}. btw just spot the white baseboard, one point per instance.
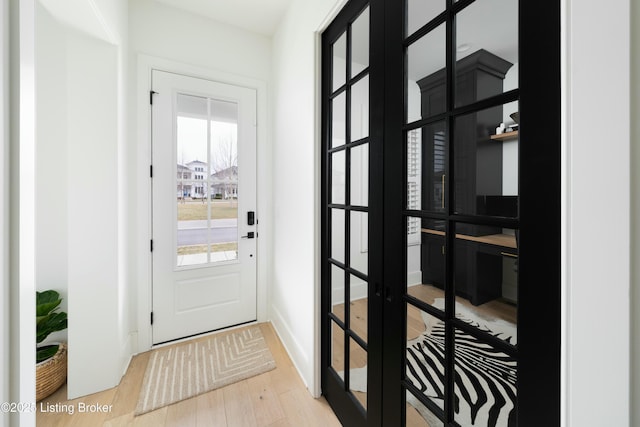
{"type": "Point", "coordinates": [414, 278]}
{"type": "Point", "coordinates": [510, 293]}
{"type": "Point", "coordinates": [358, 291]}
{"type": "Point", "coordinates": [128, 351]}
{"type": "Point", "coordinates": [299, 357]}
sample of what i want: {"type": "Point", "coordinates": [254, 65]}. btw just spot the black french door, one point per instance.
{"type": "Point", "coordinates": [441, 213]}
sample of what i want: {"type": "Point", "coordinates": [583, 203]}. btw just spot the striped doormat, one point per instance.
{"type": "Point", "coordinates": [179, 372]}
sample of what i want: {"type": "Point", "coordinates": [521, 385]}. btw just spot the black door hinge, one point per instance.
{"type": "Point", "coordinates": [151, 245]}
{"type": "Point", "coordinates": [151, 93]}
{"type": "Point", "coordinates": [150, 171]}
{"type": "Point", "coordinates": [152, 317]}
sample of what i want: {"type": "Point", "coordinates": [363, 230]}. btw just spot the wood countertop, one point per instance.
{"type": "Point", "coordinates": [504, 240]}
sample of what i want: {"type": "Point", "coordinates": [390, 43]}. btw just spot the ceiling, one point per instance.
{"type": "Point", "coordinates": [488, 24]}
{"type": "Point", "coordinates": [258, 16]}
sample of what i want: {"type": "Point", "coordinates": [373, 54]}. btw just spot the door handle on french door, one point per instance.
{"type": "Point", "coordinates": [378, 289]}
{"type": "Point", "coordinates": [387, 293]}
{"type": "Point", "coordinates": [250, 235]}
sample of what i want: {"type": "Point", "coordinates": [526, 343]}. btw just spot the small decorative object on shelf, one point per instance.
{"type": "Point", "coordinates": [505, 136]}
{"type": "Point", "coordinates": [500, 129]}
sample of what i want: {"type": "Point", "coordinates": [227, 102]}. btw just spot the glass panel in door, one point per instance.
{"type": "Point", "coordinates": [486, 34]}
{"type": "Point", "coordinates": [339, 61]}
{"type": "Point", "coordinates": [424, 367]}
{"type": "Point", "coordinates": [426, 79]}
{"type": "Point", "coordinates": [486, 280]}
{"type": "Point", "coordinates": [426, 168]}
{"type": "Point", "coordinates": [360, 43]}
{"type": "Point", "coordinates": [486, 162]}
{"type": "Point", "coordinates": [485, 384]}
{"type": "Point", "coordinates": [206, 180]}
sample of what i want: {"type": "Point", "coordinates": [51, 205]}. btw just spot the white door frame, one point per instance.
{"type": "Point", "coordinates": [143, 201]}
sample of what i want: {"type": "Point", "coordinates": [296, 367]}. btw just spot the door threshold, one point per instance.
{"type": "Point", "coordinates": [203, 334]}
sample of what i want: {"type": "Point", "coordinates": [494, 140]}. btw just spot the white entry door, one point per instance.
{"type": "Point", "coordinates": [204, 203]}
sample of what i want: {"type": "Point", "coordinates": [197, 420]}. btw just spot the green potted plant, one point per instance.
{"type": "Point", "coordinates": [51, 359]}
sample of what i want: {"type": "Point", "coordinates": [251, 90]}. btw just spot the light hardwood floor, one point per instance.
{"type": "Point", "coordinates": [277, 398]}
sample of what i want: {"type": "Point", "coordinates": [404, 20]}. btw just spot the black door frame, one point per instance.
{"type": "Point", "coordinates": [539, 336]}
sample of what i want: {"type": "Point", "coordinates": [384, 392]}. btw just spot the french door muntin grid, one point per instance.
{"type": "Point", "coordinates": [448, 216]}
{"type": "Point", "coordinates": [347, 207]}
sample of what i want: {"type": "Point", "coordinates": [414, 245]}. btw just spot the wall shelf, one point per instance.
{"type": "Point", "coordinates": [505, 136]}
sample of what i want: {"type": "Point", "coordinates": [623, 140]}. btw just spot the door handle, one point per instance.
{"type": "Point", "coordinates": [443, 190]}
{"type": "Point", "coordinates": [250, 235]}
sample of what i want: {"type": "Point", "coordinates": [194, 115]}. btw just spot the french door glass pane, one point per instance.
{"type": "Point", "coordinates": [358, 372]}
{"type": "Point", "coordinates": [426, 90]}
{"type": "Point", "coordinates": [420, 12]}
{"type": "Point", "coordinates": [338, 177]}
{"type": "Point", "coordinates": [360, 43]}
{"type": "Point", "coordinates": [486, 279]}
{"type": "Point", "coordinates": [486, 162]}
{"type": "Point", "coordinates": [418, 415]}
{"type": "Point", "coordinates": [223, 191]}
{"type": "Point", "coordinates": [338, 120]}
{"type": "Point", "coordinates": [425, 366]}
{"type": "Point", "coordinates": [337, 349]}
{"type": "Point", "coordinates": [360, 175]}
{"type": "Point", "coordinates": [426, 173]}
{"type": "Point", "coordinates": [340, 61]}
{"type": "Point", "coordinates": [485, 384]}
{"type": "Point", "coordinates": [359, 242]}
{"type": "Point", "coordinates": [483, 55]}
{"type": "Point", "coordinates": [206, 180]}
{"type": "Point", "coordinates": [425, 259]}
{"type": "Point", "coordinates": [359, 318]}
{"type": "Point", "coordinates": [337, 235]}
{"type": "Point", "coordinates": [360, 109]}
{"type": "Point", "coordinates": [337, 292]}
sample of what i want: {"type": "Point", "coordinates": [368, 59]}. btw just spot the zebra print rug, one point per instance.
{"type": "Point", "coordinates": [485, 380]}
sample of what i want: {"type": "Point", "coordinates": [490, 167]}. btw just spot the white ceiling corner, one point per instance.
{"type": "Point", "coordinates": [258, 16]}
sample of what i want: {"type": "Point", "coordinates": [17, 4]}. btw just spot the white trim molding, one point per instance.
{"type": "Point", "coordinates": [596, 212]}
{"type": "Point", "coordinates": [5, 331]}
{"type": "Point", "coordinates": [22, 207]}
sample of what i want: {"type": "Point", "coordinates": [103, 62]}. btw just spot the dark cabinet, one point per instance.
{"type": "Point", "coordinates": [433, 261]}
{"type": "Point", "coordinates": [478, 159]}
{"type": "Point", "coordinates": [477, 176]}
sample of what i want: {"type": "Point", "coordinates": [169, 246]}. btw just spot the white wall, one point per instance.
{"type": "Point", "coordinates": [101, 19]}
{"type": "Point", "coordinates": [510, 147]}
{"type": "Point", "coordinates": [51, 161]}
{"type": "Point", "coordinates": [296, 176]}
{"type": "Point", "coordinates": [166, 38]}
{"type": "Point", "coordinates": [80, 183]}
{"type": "Point", "coordinates": [166, 32]}
{"type": "Point", "coordinates": [596, 186]}
{"type": "Point", "coordinates": [635, 214]}
{"type": "Point", "coordinates": [92, 178]}
{"type": "Point", "coordinates": [4, 210]}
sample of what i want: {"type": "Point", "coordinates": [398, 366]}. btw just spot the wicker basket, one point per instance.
{"type": "Point", "coordinates": [51, 373]}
